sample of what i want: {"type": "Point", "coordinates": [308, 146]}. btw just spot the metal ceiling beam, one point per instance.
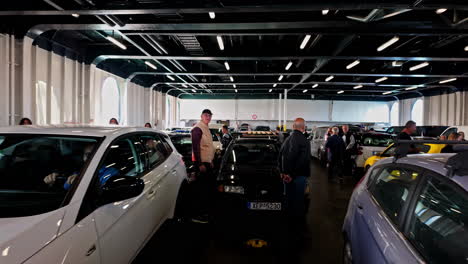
{"type": "Point", "coordinates": [429, 28]}
{"type": "Point", "coordinates": [304, 73]}
{"type": "Point", "coordinates": [236, 9]}
{"type": "Point", "coordinates": [101, 58]}
{"type": "Point", "coordinates": [308, 83]}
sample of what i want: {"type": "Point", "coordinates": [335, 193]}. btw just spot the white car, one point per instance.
{"type": "Point", "coordinates": [84, 194]}
{"type": "Point", "coordinates": [370, 145]}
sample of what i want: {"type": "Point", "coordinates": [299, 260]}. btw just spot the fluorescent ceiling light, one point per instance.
{"type": "Point", "coordinates": [397, 63]}
{"type": "Point", "coordinates": [357, 87]}
{"type": "Point", "coordinates": [325, 11]}
{"type": "Point", "coordinates": [314, 86]}
{"type": "Point", "coordinates": [448, 80]}
{"type": "Point", "coordinates": [183, 85]}
{"type": "Point", "coordinates": [289, 66]}
{"type": "Point", "coordinates": [270, 90]}
{"type": "Point", "coordinates": [386, 93]}
{"type": "Point", "coordinates": [170, 78]}
{"type": "Point", "coordinates": [340, 92]}
{"type": "Point", "coordinates": [226, 64]}
{"type": "Point", "coordinates": [466, 48]}
{"type": "Point", "coordinates": [274, 85]}
{"type": "Point", "coordinates": [212, 15]}
{"type": "Point", "coordinates": [351, 65]}
{"type": "Point", "coordinates": [388, 43]}
{"type": "Point", "coordinates": [381, 79]}
{"type": "Point", "coordinates": [75, 15]}
{"type": "Point", "coordinates": [234, 86]}
{"type": "Point", "coordinates": [411, 88]}
{"type": "Point", "coordinates": [220, 42]}
{"type": "Point", "coordinates": [193, 90]}
{"type": "Point", "coordinates": [117, 43]}
{"type": "Point", "coordinates": [441, 10]}
{"type": "Point", "coordinates": [232, 78]}
{"type": "Point", "coordinates": [329, 78]}
{"type": "Point", "coordinates": [235, 90]}
{"type": "Point", "coordinates": [304, 42]}
{"type": "Point", "coordinates": [305, 91]}
{"type": "Point", "coordinates": [150, 64]}
{"type": "Point", "coordinates": [419, 66]}
{"type": "Point", "coordinates": [280, 78]}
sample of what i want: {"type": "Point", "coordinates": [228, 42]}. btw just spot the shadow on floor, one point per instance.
{"type": "Point", "coordinates": [322, 240]}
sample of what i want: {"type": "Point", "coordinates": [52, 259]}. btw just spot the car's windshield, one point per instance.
{"type": "Point", "coordinates": [390, 151]}
{"type": "Point", "coordinates": [258, 152]}
{"type": "Point", "coordinates": [376, 140]}
{"type": "Point", "coordinates": [37, 171]}
{"type": "Point", "coordinates": [431, 131]}
{"type": "Point", "coordinates": [183, 144]}
{"type": "Point", "coordinates": [214, 133]}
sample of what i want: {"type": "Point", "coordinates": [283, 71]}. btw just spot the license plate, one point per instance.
{"type": "Point", "coordinates": [264, 206]}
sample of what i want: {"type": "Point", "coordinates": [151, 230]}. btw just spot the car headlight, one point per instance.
{"type": "Point", "coordinates": [234, 189]}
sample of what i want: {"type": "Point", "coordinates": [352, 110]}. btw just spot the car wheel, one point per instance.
{"type": "Point", "coordinates": [322, 160]}
{"type": "Point", "coordinates": [182, 206]}
{"type": "Point", "coordinates": [306, 204]}
{"type": "Point", "coordinates": [347, 254]}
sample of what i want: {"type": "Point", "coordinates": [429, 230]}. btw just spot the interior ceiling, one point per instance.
{"type": "Point", "coordinates": [260, 38]}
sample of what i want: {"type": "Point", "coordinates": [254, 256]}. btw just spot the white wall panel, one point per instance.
{"type": "Point", "coordinates": [267, 109]}
{"type": "Point", "coordinates": [310, 110]}
{"type": "Point", "coordinates": [349, 111]}
{"type": "Point", "coordinates": [222, 109]}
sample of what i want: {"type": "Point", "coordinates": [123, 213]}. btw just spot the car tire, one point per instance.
{"type": "Point", "coordinates": [182, 203]}
{"type": "Point", "coordinates": [323, 160]}
{"type": "Point", "coordinates": [306, 204]}
{"type": "Point", "coordinates": [347, 254]}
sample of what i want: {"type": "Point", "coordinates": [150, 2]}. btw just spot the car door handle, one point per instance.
{"type": "Point", "coordinates": [151, 192]}
{"type": "Point", "coordinates": [360, 207]}
{"type": "Point", "coordinates": [174, 172]}
{"type": "Point", "coordinates": [91, 250]}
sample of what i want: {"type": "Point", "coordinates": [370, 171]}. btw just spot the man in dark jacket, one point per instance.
{"type": "Point", "coordinates": [294, 163]}
{"type": "Point", "coordinates": [336, 148]}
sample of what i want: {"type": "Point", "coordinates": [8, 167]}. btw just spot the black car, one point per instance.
{"type": "Point", "coordinates": [262, 128]}
{"type": "Point", "coordinates": [183, 144]}
{"type": "Point", "coordinates": [250, 191]}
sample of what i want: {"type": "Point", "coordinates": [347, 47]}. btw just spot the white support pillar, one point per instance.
{"type": "Point", "coordinates": [279, 110]}
{"type": "Point", "coordinates": [285, 109]}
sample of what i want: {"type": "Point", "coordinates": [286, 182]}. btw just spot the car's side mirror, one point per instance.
{"type": "Point", "coordinates": [120, 188]}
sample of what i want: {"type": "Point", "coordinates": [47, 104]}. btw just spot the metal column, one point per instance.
{"type": "Point", "coordinates": [285, 109]}
{"type": "Point", "coordinates": [279, 111]}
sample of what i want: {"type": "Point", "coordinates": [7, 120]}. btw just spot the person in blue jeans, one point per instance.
{"type": "Point", "coordinates": [294, 164]}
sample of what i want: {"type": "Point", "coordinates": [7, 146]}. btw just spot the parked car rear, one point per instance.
{"type": "Point", "coordinates": [412, 210]}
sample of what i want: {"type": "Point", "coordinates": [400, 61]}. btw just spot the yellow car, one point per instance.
{"type": "Point", "coordinates": [390, 151]}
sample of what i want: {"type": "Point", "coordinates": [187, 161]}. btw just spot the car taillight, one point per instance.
{"type": "Point", "coordinates": [221, 188]}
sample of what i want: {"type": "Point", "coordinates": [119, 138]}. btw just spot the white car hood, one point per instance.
{"type": "Point", "coordinates": [22, 237]}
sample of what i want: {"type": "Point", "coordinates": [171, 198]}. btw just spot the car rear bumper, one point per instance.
{"type": "Point", "coordinates": [233, 218]}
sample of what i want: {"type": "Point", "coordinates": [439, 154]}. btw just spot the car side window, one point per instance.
{"type": "Point", "coordinates": [392, 188]}
{"type": "Point", "coordinates": [439, 222]}
{"type": "Point", "coordinates": [156, 151]}
{"type": "Point", "coordinates": [122, 158]}
{"type": "Point", "coordinates": [450, 131]}
{"type": "Point", "coordinates": [373, 174]}
{"type": "Point", "coordinates": [166, 144]}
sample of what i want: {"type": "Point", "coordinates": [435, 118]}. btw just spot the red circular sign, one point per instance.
{"type": "Point", "coordinates": [254, 116]}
